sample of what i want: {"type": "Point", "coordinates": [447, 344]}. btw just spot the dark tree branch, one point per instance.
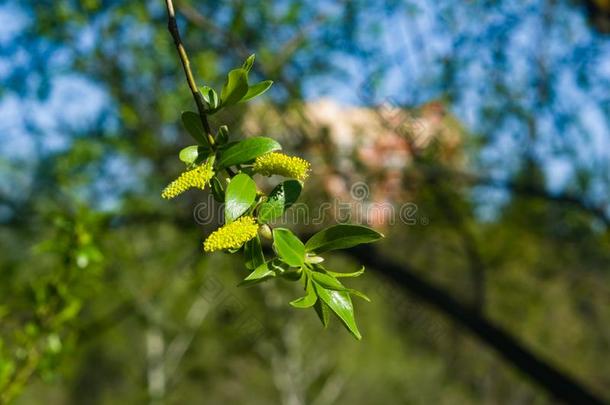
{"type": "Point", "coordinates": [559, 384]}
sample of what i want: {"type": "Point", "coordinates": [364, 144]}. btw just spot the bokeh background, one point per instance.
{"type": "Point", "coordinates": [474, 134]}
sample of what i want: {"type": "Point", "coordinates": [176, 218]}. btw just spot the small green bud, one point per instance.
{"type": "Point", "coordinates": [210, 97]}
{"type": "Point", "coordinates": [222, 136]}
{"type": "Point", "coordinates": [265, 232]}
{"type": "Point", "coordinates": [313, 259]}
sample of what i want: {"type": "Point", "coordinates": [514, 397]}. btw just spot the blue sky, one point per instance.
{"type": "Point", "coordinates": [413, 43]}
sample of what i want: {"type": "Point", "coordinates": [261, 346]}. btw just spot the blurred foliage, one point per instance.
{"type": "Point", "coordinates": [107, 297]}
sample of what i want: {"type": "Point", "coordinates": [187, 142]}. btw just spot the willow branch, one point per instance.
{"type": "Point", "coordinates": [172, 26]}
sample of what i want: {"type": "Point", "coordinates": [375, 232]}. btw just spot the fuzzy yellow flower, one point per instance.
{"type": "Point", "coordinates": [283, 165]}
{"type": "Point", "coordinates": [231, 236]}
{"type": "Point", "coordinates": [198, 177]}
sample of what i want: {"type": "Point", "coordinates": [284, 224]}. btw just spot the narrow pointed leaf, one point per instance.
{"type": "Point", "coordinates": [352, 274]}
{"type": "Point", "coordinates": [308, 300]}
{"type": "Point", "coordinates": [257, 90]}
{"type": "Point", "coordinates": [260, 274]}
{"type": "Point", "coordinates": [341, 237]}
{"type": "Point", "coordinates": [341, 304]}
{"type": "Point", "coordinates": [248, 63]}
{"type": "Point", "coordinates": [327, 281]}
{"type": "Point", "coordinates": [322, 311]}
{"type": "Point", "coordinates": [359, 294]}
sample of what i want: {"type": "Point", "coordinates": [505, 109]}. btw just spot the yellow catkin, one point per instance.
{"type": "Point", "coordinates": [198, 177]}
{"type": "Point", "coordinates": [231, 236]}
{"type": "Point", "coordinates": [283, 165]}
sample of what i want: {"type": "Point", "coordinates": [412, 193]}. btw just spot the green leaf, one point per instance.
{"type": "Point", "coordinates": [193, 125]}
{"type": "Point", "coordinates": [191, 154]}
{"type": "Point", "coordinates": [247, 150]}
{"type": "Point", "coordinates": [289, 247]}
{"type": "Point", "coordinates": [278, 266]}
{"type": "Point", "coordinates": [359, 294]}
{"type": "Point", "coordinates": [352, 274]}
{"type": "Point", "coordinates": [341, 304]}
{"type": "Point", "coordinates": [210, 97]}
{"type": "Point", "coordinates": [248, 63]}
{"type": "Point", "coordinates": [261, 273]}
{"type": "Point", "coordinates": [341, 237]}
{"type": "Point", "coordinates": [322, 311]}
{"type": "Point", "coordinates": [235, 87]}
{"type": "Point", "coordinates": [327, 281]}
{"type": "Point", "coordinates": [308, 300]}
{"type": "Point", "coordinates": [240, 195]}
{"type": "Point", "coordinates": [217, 190]}
{"type": "Point", "coordinates": [257, 89]}
{"type": "Point", "coordinates": [253, 253]}
{"type": "Point", "coordinates": [280, 199]}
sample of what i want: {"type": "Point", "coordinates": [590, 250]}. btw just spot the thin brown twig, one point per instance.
{"type": "Point", "coordinates": [237, 44]}
{"type": "Point", "coordinates": [172, 26]}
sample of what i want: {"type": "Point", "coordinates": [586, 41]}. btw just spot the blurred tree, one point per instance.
{"type": "Point", "coordinates": [106, 296]}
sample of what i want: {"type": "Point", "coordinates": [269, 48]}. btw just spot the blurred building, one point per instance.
{"type": "Point", "coordinates": [361, 156]}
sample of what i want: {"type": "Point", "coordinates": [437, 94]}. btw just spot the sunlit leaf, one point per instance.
{"type": "Point", "coordinates": [288, 247]}
{"type": "Point", "coordinates": [247, 66]}
{"type": "Point", "coordinates": [240, 195]}
{"type": "Point", "coordinates": [352, 274]}
{"type": "Point", "coordinates": [235, 87]}
{"type": "Point", "coordinates": [257, 90]}
{"type": "Point", "coordinates": [341, 304]}
{"type": "Point", "coordinates": [193, 153]}
{"type": "Point", "coordinates": [341, 236]}
{"type": "Point", "coordinates": [247, 150]}
{"type": "Point", "coordinates": [327, 281]}
{"type": "Point", "coordinates": [359, 294]}
{"type": "Point", "coordinates": [260, 274]}
{"type": "Point", "coordinates": [308, 300]}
